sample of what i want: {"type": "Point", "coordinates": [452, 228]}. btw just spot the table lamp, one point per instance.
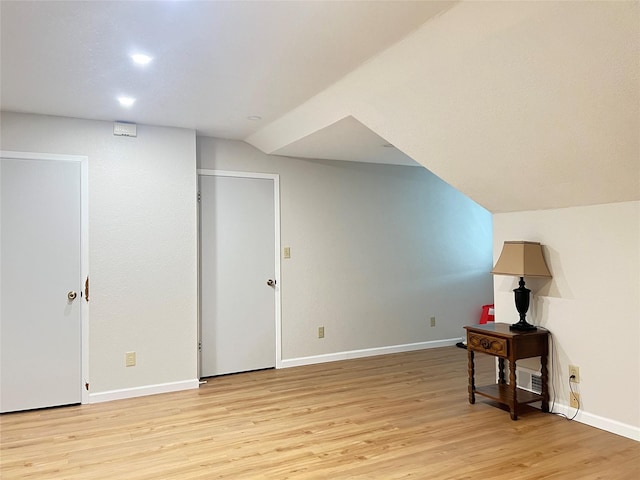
{"type": "Point", "coordinates": [522, 259]}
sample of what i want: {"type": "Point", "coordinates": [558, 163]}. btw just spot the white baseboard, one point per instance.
{"type": "Point", "coordinates": [612, 426]}
{"type": "Point", "coordinates": [367, 352]}
{"type": "Point", "coordinates": [142, 391]}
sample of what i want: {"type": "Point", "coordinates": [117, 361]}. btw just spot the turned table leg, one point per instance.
{"type": "Point", "coordinates": [472, 386]}
{"type": "Point", "coordinates": [513, 408]}
{"type": "Point", "coordinates": [501, 377]}
{"type": "Point", "coordinates": [545, 387]}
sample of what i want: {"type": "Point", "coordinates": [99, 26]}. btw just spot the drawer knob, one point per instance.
{"type": "Point", "coordinates": [484, 343]}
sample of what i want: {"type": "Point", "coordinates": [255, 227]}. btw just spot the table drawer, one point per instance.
{"type": "Point", "coordinates": [487, 343]}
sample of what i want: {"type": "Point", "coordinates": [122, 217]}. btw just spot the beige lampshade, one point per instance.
{"type": "Point", "coordinates": [521, 259]}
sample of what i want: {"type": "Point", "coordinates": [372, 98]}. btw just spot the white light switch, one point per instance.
{"type": "Point", "coordinates": [286, 252]}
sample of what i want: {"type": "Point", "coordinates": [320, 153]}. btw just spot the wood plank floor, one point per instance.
{"type": "Point", "coordinates": [394, 416]}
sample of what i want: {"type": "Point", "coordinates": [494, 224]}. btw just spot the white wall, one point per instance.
{"type": "Point", "coordinates": [142, 245]}
{"type": "Point", "coordinates": [375, 251]}
{"type": "Point", "coordinates": [591, 306]}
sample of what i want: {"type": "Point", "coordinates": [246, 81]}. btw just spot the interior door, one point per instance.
{"type": "Point", "coordinates": [237, 259]}
{"type": "Point", "coordinates": [40, 322]}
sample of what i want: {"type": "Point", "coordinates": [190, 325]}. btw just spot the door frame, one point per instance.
{"type": "Point", "coordinates": [276, 254]}
{"type": "Point", "coordinates": [84, 248]}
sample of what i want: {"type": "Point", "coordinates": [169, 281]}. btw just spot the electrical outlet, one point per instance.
{"type": "Point", "coordinates": [130, 359]}
{"type": "Point", "coordinates": [574, 400]}
{"type": "Point", "coordinates": [575, 373]}
{"type": "Point", "coordinates": [286, 252]}
{"type": "Point", "coordinates": [433, 321]}
{"type": "Point", "coordinates": [320, 332]}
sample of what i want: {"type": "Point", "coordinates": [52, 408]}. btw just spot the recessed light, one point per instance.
{"type": "Point", "coordinates": [141, 59]}
{"type": "Point", "coordinates": [126, 101]}
{"type": "Point", "coordinates": [254, 118]}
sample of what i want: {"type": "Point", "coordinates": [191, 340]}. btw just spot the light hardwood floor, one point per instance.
{"type": "Point", "coordinates": [394, 416]}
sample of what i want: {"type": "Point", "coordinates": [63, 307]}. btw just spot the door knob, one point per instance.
{"type": "Point", "coordinates": [71, 296]}
{"type": "Point", "coordinates": [271, 283]}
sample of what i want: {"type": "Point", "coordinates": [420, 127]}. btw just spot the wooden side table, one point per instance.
{"type": "Point", "coordinates": [497, 340]}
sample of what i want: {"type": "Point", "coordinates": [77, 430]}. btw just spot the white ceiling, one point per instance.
{"type": "Point", "coordinates": [519, 105]}
{"type": "Point", "coordinates": [346, 139]}
{"type": "Point", "coordinates": [215, 63]}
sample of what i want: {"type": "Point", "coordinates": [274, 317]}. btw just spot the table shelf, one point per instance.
{"type": "Point", "coordinates": [502, 393]}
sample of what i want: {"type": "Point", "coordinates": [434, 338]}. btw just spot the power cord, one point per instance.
{"type": "Point", "coordinates": [553, 402]}
{"type": "Point", "coordinates": [574, 396]}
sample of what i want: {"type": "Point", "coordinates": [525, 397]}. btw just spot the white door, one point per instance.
{"type": "Point", "coordinates": [40, 334]}
{"type": "Point", "coordinates": [237, 260]}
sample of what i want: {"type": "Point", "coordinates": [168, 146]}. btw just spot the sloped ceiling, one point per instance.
{"type": "Point", "coordinates": [349, 140]}
{"type": "Point", "coordinates": [519, 105]}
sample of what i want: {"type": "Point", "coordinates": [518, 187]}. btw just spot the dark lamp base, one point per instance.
{"type": "Point", "coordinates": [523, 327]}
{"type": "Point", "coordinates": [522, 305]}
